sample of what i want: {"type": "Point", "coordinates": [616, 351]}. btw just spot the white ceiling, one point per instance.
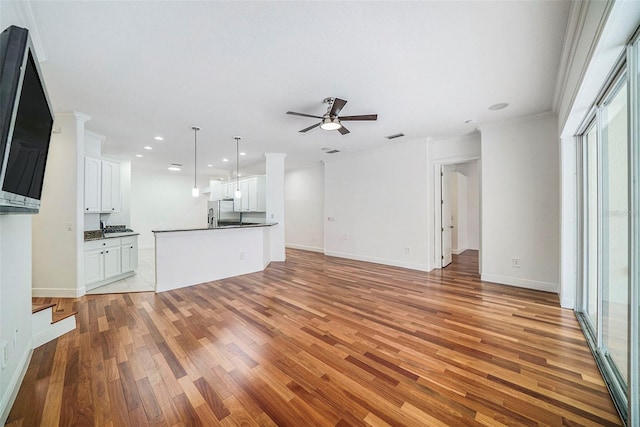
{"type": "Point", "coordinates": [141, 69]}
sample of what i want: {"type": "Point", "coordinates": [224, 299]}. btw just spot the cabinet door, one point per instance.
{"type": "Point", "coordinates": [92, 175]}
{"type": "Point", "coordinates": [112, 262]}
{"type": "Point", "coordinates": [252, 193]}
{"type": "Point", "coordinates": [246, 196]}
{"type": "Point", "coordinates": [110, 200]}
{"type": "Point", "coordinates": [129, 254]}
{"type": "Point", "coordinates": [93, 266]}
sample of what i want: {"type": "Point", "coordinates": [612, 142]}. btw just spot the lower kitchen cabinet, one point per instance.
{"type": "Point", "coordinates": [109, 260]}
{"type": "Point", "coordinates": [129, 253]}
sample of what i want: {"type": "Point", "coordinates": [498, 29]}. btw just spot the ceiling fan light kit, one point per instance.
{"type": "Point", "coordinates": [330, 124]}
{"type": "Point", "coordinates": [331, 119]}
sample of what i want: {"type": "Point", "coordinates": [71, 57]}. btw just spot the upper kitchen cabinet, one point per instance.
{"type": "Point", "coordinates": [254, 198]}
{"type": "Point", "coordinates": [111, 200]}
{"type": "Point", "coordinates": [102, 191]}
{"type": "Point", "coordinates": [92, 179]}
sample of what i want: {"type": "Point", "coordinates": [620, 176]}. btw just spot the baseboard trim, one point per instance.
{"type": "Point", "coordinates": [457, 251]}
{"type": "Point", "coordinates": [521, 283]}
{"type": "Point", "coordinates": [384, 261]}
{"type": "Point", "coordinates": [568, 303]}
{"type": "Point", "coordinates": [54, 331]}
{"type": "Point", "coordinates": [304, 247]}
{"type": "Point", "coordinates": [14, 385]}
{"type": "Point", "coordinates": [58, 292]}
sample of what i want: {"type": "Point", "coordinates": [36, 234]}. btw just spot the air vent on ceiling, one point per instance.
{"type": "Point", "coordinates": [397, 135]}
{"type": "Point", "coordinates": [332, 151]}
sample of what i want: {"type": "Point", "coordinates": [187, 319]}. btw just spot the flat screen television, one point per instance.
{"type": "Point", "coordinates": [26, 121]}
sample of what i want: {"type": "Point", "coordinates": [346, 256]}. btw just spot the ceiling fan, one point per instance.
{"type": "Point", "coordinates": [330, 120]}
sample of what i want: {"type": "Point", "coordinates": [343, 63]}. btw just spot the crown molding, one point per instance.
{"type": "Point", "coordinates": [28, 19]}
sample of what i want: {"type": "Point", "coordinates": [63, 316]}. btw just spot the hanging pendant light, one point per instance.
{"type": "Point", "coordinates": [194, 191]}
{"type": "Point", "coordinates": [238, 193]}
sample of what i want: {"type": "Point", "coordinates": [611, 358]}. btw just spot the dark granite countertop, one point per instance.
{"type": "Point", "coordinates": [110, 235]}
{"type": "Point", "coordinates": [222, 227]}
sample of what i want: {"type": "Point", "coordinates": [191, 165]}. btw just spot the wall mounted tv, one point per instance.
{"type": "Point", "coordinates": [26, 120]}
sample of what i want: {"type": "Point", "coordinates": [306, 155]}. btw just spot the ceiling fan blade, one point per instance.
{"type": "Point", "coordinates": [310, 127]}
{"type": "Point", "coordinates": [338, 104]}
{"type": "Point", "coordinates": [293, 113]}
{"type": "Point", "coordinates": [360, 117]}
{"type": "Point", "coordinates": [343, 130]}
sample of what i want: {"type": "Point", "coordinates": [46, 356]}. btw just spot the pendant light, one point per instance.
{"type": "Point", "coordinates": [194, 191]}
{"type": "Point", "coordinates": [237, 194]}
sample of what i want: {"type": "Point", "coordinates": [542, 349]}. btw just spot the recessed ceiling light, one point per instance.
{"type": "Point", "coordinates": [242, 153]}
{"type": "Point", "coordinates": [470, 121]}
{"type": "Point", "coordinates": [210, 166]}
{"type": "Point", "coordinates": [147, 147]}
{"type": "Point", "coordinates": [158, 138]}
{"type": "Point", "coordinates": [500, 106]}
{"type": "Point", "coordinates": [225, 160]}
{"type": "Point", "coordinates": [174, 168]}
{"type": "Point", "coordinates": [139, 155]}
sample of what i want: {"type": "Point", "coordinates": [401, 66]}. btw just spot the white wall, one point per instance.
{"type": "Point", "coordinates": [304, 208]}
{"type": "Point", "coordinates": [163, 201]}
{"type": "Point", "coordinates": [471, 170]}
{"type": "Point", "coordinates": [520, 203]}
{"type": "Point", "coordinates": [459, 213]}
{"type": "Point", "coordinates": [379, 200]}
{"type": "Point", "coordinates": [15, 304]}
{"type": "Point", "coordinates": [58, 266]}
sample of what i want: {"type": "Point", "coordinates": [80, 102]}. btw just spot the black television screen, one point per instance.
{"type": "Point", "coordinates": [26, 121]}
{"type": "Point", "coordinates": [30, 142]}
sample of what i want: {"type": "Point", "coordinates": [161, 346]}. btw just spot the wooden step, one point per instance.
{"type": "Point", "coordinates": [39, 307]}
{"type": "Point", "coordinates": [48, 324]}
{"type": "Point", "coordinates": [57, 317]}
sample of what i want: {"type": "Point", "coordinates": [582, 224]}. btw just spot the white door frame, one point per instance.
{"type": "Point", "coordinates": [437, 197]}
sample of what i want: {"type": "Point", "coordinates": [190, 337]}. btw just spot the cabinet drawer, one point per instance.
{"type": "Point", "coordinates": [127, 240]}
{"type": "Point", "coordinates": [102, 243]}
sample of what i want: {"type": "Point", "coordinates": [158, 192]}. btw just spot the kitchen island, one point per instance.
{"type": "Point", "coordinates": [188, 257]}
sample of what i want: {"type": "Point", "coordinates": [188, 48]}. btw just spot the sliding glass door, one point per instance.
{"type": "Point", "coordinates": [615, 237]}
{"type": "Point", "coordinates": [609, 196]}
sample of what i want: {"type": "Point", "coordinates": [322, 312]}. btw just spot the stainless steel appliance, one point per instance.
{"type": "Point", "coordinates": [221, 212]}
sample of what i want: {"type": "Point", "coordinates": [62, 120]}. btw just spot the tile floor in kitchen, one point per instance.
{"type": "Point", "coordinates": [142, 281]}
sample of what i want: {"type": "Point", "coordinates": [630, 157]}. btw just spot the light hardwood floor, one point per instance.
{"type": "Point", "coordinates": [319, 341]}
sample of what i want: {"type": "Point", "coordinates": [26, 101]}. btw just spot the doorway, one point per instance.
{"type": "Point", "coordinates": [457, 215]}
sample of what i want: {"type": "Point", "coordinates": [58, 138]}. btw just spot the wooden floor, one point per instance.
{"type": "Point", "coordinates": [319, 341]}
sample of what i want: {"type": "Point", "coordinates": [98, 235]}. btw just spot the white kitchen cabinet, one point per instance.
{"type": "Point", "coordinates": [93, 266]}
{"type": "Point", "coordinates": [242, 204]}
{"type": "Point", "coordinates": [256, 190]}
{"type": "Point", "coordinates": [129, 253]}
{"type": "Point", "coordinates": [92, 171]}
{"type": "Point", "coordinates": [102, 190]}
{"type": "Point", "coordinates": [108, 260]}
{"type": "Point", "coordinates": [228, 189]}
{"type": "Point", "coordinates": [110, 198]}
{"type": "Point", "coordinates": [112, 262]}
{"type": "Point", "coordinates": [254, 198]}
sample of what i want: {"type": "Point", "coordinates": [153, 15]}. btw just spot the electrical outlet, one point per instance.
{"type": "Point", "coordinates": [241, 255]}
{"type": "Point", "coordinates": [515, 262]}
{"type": "Point", "coordinates": [407, 251]}
{"type": "Point", "coordinates": [345, 236]}
{"type": "Point", "coordinates": [69, 226]}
